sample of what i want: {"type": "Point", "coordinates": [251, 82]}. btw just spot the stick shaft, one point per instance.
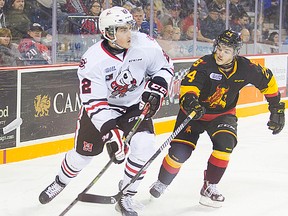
{"type": "Point", "coordinates": [93, 198]}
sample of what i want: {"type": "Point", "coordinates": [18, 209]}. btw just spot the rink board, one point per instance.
{"type": "Point", "coordinates": [48, 102]}
{"type": "Point", "coordinates": [164, 125]}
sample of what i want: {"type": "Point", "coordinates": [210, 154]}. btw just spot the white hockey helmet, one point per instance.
{"type": "Point", "coordinates": [112, 18]}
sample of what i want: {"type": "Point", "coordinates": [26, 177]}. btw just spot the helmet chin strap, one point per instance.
{"type": "Point", "coordinates": [117, 45]}
{"type": "Point", "coordinates": [112, 49]}
{"type": "Point", "coordinates": [114, 42]}
{"type": "Point", "coordinates": [228, 66]}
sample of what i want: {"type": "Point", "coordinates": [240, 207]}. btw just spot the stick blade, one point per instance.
{"type": "Point", "coordinates": [92, 198]}
{"type": "Point", "coordinates": [13, 125]}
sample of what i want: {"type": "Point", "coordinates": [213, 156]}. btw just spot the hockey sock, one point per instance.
{"type": "Point", "coordinates": [72, 164]}
{"type": "Point", "coordinates": [169, 169]}
{"type": "Point", "coordinates": [217, 165]}
{"type": "Point", "coordinates": [131, 169]}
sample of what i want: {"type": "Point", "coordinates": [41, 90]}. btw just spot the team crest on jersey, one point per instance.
{"type": "Point", "coordinates": [218, 98]}
{"type": "Point", "coordinates": [82, 63]}
{"type": "Point", "coordinates": [88, 147]}
{"type": "Point", "coordinates": [123, 83]}
{"type": "Point", "coordinates": [216, 76]}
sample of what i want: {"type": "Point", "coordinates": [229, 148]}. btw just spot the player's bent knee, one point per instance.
{"type": "Point", "coordinates": [224, 142]}
{"type": "Point", "coordinates": [77, 161]}
{"type": "Point", "coordinates": [180, 152]}
{"type": "Point", "coordinates": [142, 146]}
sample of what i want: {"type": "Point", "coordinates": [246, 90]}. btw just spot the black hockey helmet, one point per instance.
{"type": "Point", "coordinates": [229, 38]}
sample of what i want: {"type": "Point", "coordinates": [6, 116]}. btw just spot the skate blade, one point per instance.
{"type": "Point", "coordinates": [206, 201]}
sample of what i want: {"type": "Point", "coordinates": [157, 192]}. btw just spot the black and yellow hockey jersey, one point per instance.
{"type": "Point", "coordinates": [218, 91]}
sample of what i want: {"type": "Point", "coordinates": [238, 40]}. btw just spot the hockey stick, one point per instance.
{"type": "Point", "coordinates": [126, 140]}
{"type": "Point", "coordinates": [10, 127]}
{"type": "Point", "coordinates": [93, 198]}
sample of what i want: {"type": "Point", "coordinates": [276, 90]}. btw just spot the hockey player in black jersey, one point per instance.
{"type": "Point", "coordinates": [211, 89]}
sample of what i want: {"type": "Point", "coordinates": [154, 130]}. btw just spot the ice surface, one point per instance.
{"type": "Point", "coordinates": [255, 183]}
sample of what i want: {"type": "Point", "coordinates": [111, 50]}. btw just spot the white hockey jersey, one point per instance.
{"type": "Point", "coordinates": [109, 83]}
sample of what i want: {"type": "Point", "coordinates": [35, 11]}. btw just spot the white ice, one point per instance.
{"type": "Point", "coordinates": [255, 183]}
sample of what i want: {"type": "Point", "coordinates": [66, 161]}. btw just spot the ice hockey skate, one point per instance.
{"type": "Point", "coordinates": [51, 191]}
{"type": "Point", "coordinates": [157, 189]}
{"type": "Point", "coordinates": [125, 206]}
{"type": "Point", "coordinates": [210, 196]}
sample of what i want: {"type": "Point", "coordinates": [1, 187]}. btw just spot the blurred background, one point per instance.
{"type": "Point", "coordinates": [37, 32]}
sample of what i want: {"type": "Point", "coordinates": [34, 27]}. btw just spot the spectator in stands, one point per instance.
{"type": "Point", "coordinates": [235, 9]}
{"type": "Point", "coordinates": [273, 39]}
{"type": "Point", "coordinates": [188, 5]}
{"type": "Point", "coordinates": [176, 35]}
{"type": "Point", "coordinates": [171, 16]}
{"type": "Point", "coordinates": [128, 5]}
{"type": "Point", "coordinates": [167, 33]}
{"type": "Point", "coordinates": [219, 4]}
{"type": "Point", "coordinates": [31, 48]}
{"type": "Point", "coordinates": [9, 54]}
{"type": "Point", "coordinates": [2, 14]}
{"type": "Point", "coordinates": [241, 22]}
{"type": "Point", "coordinates": [203, 9]}
{"type": "Point", "coordinates": [138, 16]}
{"type": "Point", "coordinates": [246, 39]}
{"type": "Point", "coordinates": [259, 46]}
{"type": "Point", "coordinates": [17, 20]}
{"type": "Point", "coordinates": [76, 6]}
{"type": "Point", "coordinates": [165, 40]}
{"type": "Point", "coordinates": [135, 3]}
{"type": "Point", "coordinates": [72, 12]}
{"type": "Point", "coordinates": [189, 21]}
{"type": "Point", "coordinates": [157, 25]}
{"type": "Point", "coordinates": [161, 9]}
{"type": "Point", "coordinates": [155, 18]}
{"type": "Point", "coordinates": [107, 4]}
{"type": "Point", "coordinates": [212, 26]}
{"type": "Point", "coordinates": [91, 24]}
{"type": "Point", "coordinates": [258, 36]}
{"type": "Point", "coordinates": [271, 11]}
{"type": "Point", "coordinates": [189, 35]}
{"type": "Point", "coordinates": [40, 11]}
{"type": "Point", "coordinates": [223, 15]}
{"type": "Point", "coordinates": [245, 35]}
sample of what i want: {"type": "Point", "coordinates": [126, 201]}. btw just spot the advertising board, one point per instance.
{"type": "Point", "coordinates": [8, 106]}
{"type": "Point", "coordinates": [49, 103]}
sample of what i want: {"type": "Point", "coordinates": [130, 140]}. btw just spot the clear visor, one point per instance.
{"type": "Point", "coordinates": [128, 26]}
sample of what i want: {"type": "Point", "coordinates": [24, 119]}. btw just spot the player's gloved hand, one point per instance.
{"type": "Point", "coordinates": [188, 103]}
{"type": "Point", "coordinates": [154, 93]}
{"type": "Point", "coordinates": [277, 117]}
{"type": "Point", "coordinates": [115, 145]}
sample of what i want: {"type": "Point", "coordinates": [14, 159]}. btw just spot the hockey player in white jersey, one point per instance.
{"type": "Point", "coordinates": [117, 76]}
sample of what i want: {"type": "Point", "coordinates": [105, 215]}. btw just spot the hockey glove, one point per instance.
{"type": "Point", "coordinates": [277, 117]}
{"type": "Point", "coordinates": [154, 93]}
{"type": "Point", "coordinates": [188, 103]}
{"type": "Point", "coordinates": [115, 145]}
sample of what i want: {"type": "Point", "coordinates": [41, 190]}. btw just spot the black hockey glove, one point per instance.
{"type": "Point", "coordinates": [277, 117]}
{"type": "Point", "coordinates": [188, 103]}
{"type": "Point", "coordinates": [115, 145]}
{"type": "Point", "coordinates": [154, 93]}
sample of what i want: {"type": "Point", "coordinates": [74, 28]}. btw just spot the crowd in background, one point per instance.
{"type": "Point", "coordinates": [26, 25]}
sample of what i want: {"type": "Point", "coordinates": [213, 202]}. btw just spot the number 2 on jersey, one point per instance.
{"type": "Point", "coordinates": [86, 86]}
